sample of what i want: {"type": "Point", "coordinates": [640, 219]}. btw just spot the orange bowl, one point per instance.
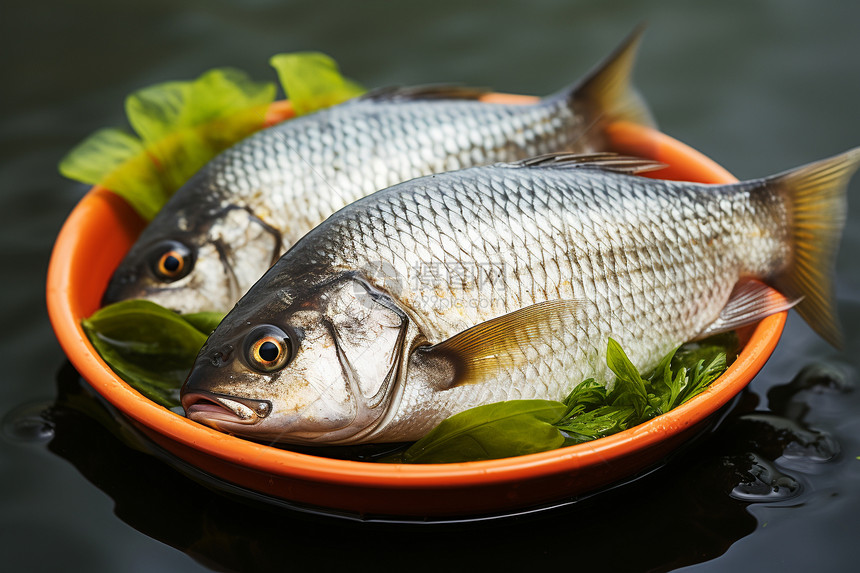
{"type": "Point", "coordinates": [102, 227]}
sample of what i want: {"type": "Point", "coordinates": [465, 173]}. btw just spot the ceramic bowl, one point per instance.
{"type": "Point", "coordinates": [102, 227]}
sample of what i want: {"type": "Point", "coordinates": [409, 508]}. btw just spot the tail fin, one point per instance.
{"type": "Point", "coordinates": [606, 94]}
{"type": "Point", "coordinates": [816, 201]}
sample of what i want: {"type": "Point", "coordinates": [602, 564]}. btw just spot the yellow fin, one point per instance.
{"type": "Point", "coordinates": [815, 194]}
{"type": "Point", "coordinates": [607, 92]}
{"type": "Point", "coordinates": [481, 352]}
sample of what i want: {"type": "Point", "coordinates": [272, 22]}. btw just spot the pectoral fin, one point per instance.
{"type": "Point", "coordinates": [480, 353]}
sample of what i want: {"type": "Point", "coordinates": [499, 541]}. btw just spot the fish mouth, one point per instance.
{"type": "Point", "coordinates": [221, 411]}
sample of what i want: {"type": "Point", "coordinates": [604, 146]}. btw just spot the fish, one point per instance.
{"type": "Point", "coordinates": [234, 218]}
{"type": "Point", "coordinates": [534, 265]}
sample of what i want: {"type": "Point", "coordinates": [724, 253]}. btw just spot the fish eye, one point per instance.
{"type": "Point", "coordinates": [171, 261]}
{"type": "Point", "coordinates": [267, 348]}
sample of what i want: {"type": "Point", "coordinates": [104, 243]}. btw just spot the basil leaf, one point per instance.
{"type": "Point", "coordinates": [629, 389]}
{"type": "Point", "coordinates": [205, 322]}
{"type": "Point", "coordinates": [588, 395]}
{"type": "Point", "coordinates": [597, 423]}
{"type": "Point", "coordinates": [662, 382]}
{"type": "Point", "coordinates": [702, 375]}
{"type": "Point", "coordinates": [699, 363]}
{"type": "Point", "coordinates": [589, 412]}
{"type": "Point", "coordinates": [689, 354]}
{"type": "Point", "coordinates": [498, 430]}
{"type": "Point", "coordinates": [149, 346]}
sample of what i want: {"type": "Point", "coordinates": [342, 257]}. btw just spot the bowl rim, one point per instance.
{"type": "Point", "coordinates": [66, 309]}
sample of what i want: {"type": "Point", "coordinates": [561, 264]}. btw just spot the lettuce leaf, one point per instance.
{"type": "Point", "coordinates": [180, 126]}
{"type": "Point", "coordinates": [312, 81]}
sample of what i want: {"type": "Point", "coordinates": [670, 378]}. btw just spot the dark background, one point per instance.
{"type": "Point", "coordinates": [758, 86]}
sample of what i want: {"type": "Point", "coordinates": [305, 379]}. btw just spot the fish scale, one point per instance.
{"type": "Point", "coordinates": [521, 133]}
{"type": "Point", "coordinates": [580, 249]}
{"type": "Point", "coordinates": [288, 178]}
{"type": "Point", "coordinates": [524, 207]}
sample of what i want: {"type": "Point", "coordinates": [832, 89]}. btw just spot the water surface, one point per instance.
{"type": "Point", "coordinates": [760, 87]}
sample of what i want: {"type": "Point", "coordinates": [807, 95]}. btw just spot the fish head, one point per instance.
{"type": "Point", "coordinates": [319, 366]}
{"type": "Point", "coordinates": [191, 261]}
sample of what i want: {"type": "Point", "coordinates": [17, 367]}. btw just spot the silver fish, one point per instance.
{"type": "Point", "coordinates": [243, 210]}
{"type": "Point", "coordinates": [533, 266]}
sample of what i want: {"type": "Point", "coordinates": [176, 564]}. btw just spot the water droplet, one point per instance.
{"type": "Point", "coordinates": [824, 377]}
{"type": "Point", "coordinates": [787, 440]}
{"type": "Point", "coordinates": [759, 481]}
{"type": "Point", "coordinates": [818, 378]}
{"type": "Point", "coordinates": [815, 446]}
{"type": "Point", "coordinates": [29, 423]}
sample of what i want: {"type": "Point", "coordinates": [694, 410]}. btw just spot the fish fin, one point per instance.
{"type": "Point", "coordinates": [425, 92]}
{"type": "Point", "coordinates": [604, 161]}
{"type": "Point", "coordinates": [749, 302]}
{"type": "Point", "coordinates": [606, 94]}
{"type": "Point", "coordinates": [479, 353]}
{"type": "Point", "coordinates": [815, 195]}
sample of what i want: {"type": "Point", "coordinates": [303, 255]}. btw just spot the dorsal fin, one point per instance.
{"type": "Point", "coordinates": [425, 92]}
{"type": "Point", "coordinates": [607, 91]}
{"type": "Point", "coordinates": [604, 161]}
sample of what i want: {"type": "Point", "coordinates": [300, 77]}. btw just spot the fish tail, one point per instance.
{"type": "Point", "coordinates": [606, 94]}
{"type": "Point", "coordinates": [815, 195]}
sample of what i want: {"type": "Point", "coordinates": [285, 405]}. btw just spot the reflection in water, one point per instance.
{"type": "Point", "coordinates": [27, 423]}
{"type": "Point", "coordinates": [690, 511]}
{"type": "Point", "coordinates": [760, 481]}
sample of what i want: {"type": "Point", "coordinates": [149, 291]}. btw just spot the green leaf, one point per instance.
{"type": "Point", "coordinates": [312, 81]}
{"type": "Point", "coordinates": [101, 153]}
{"type": "Point", "coordinates": [597, 423]}
{"type": "Point", "coordinates": [205, 322]}
{"type": "Point", "coordinates": [701, 363]}
{"type": "Point", "coordinates": [702, 376]}
{"type": "Point", "coordinates": [662, 384]}
{"type": "Point", "coordinates": [586, 396]}
{"type": "Point", "coordinates": [692, 352]}
{"type": "Point", "coordinates": [150, 347]}
{"type": "Point", "coordinates": [629, 389]}
{"type": "Point", "coordinates": [117, 160]}
{"type": "Point", "coordinates": [155, 112]}
{"type": "Point", "coordinates": [589, 412]}
{"type": "Point", "coordinates": [498, 430]}
{"type": "Point", "coordinates": [222, 98]}
{"type": "Point", "coordinates": [677, 386]}
{"type": "Point", "coordinates": [181, 126]}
